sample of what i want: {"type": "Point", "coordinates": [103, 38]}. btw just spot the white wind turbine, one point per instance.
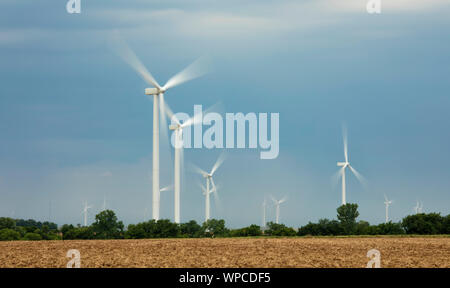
{"type": "Point", "coordinates": [178, 144]}
{"type": "Point", "coordinates": [346, 165]}
{"type": "Point", "coordinates": [418, 208]}
{"type": "Point", "coordinates": [264, 205]}
{"type": "Point", "coordinates": [85, 212]}
{"type": "Point", "coordinates": [277, 205]}
{"type": "Point", "coordinates": [104, 202]}
{"type": "Point", "coordinates": [195, 70]}
{"type": "Point", "coordinates": [209, 179]}
{"type": "Point", "coordinates": [387, 203]}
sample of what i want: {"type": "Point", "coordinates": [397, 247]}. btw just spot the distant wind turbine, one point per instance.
{"type": "Point", "coordinates": [85, 212]}
{"type": "Point", "coordinates": [264, 205]}
{"type": "Point", "coordinates": [209, 179]}
{"type": "Point", "coordinates": [418, 208]}
{"type": "Point", "coordinates": [195, 70]}
{"type": "Point", "coordinates": [104, 202]}
{"type": "Point", "coordinates": [346, 165]}
{"type": "Point", "coordinates": [277, 205]}
{"type": "Point", "coordinates": [387, 203]}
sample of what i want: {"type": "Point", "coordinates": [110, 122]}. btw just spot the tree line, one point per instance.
{"type": "Point", "coordinates": [107, 226]}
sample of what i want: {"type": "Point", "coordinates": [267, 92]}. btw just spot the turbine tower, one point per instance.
{"type": "Point", "coordinates": [277, 205]}
{"type": "Point", "coordinates": [85, 212]}
{"type": "Point", "coordinates": [344, 166]}
{"type": "Point", "coordinates": [264, 213]}
{"type": "Point", "coordinates": [178, 145]}
{"type": "Point", "coordinates": [195, 70]}
{"type": "Point", "coordinates": [387, 203]}
{"type": "Point", "coordinates": [209, 179]}
{"type": "Point", "coordinates": [104, 202]}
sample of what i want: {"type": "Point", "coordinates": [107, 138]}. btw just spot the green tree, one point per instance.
{"type": "Point", "coordinates": [446, 225]}
{"type": "Point", "coordinates": [252, 230]}
{"type": "Point", "coordinates": [106, 225]}
{"type": "Point", "coordinates": [190, 229]}
{"type": "Point", "coordinates": [215, 227]}
{"type": "Point", "coordinates": [274, 229]}
{"type": "Point", "coordinates": [347, 215]}
{"type": "Point", "coordinates": [135, 231]}
{"type": "Point", "coordinates": [7, 223]}
{"type": "Point", "coordinates": [432, 223]}
{"type": "Point", "coordinates": [7, 234]}
{"type": "Point", "coordinates": [390, 229]}
{"type": "Point", "coordinates": [32, 236]}
{"type": "Point", "coordinates": [166, 229]}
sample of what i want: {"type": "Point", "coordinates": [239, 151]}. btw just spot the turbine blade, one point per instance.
{"type": "Point", "coordinates": [168, 112]}
{"type": "Point", "coordinates": [127, 54]}
{"type": "Point", "coordinates": [198, 170]}
{"type": "Point", "coordinates": [167, 188]}
{"type": "Point", "coordinates": [218, 163]}
{"type": "Point", "coordinates": [282, 200]}
{"type": "Point", "coordinates": [385, 198]}
{"type": "Point", "coordinates": [344, 136]}
{"type": "Point", "coordinates": [198, 120]}
{"type": "Point", "coordinates": [274, 200]}
{"type": "Point", "coordinates": [198, 68]}
{"type": "Point", "coordinates": [360, 178]}
{"type": "Point", "coordinates": [336, 176]}
{"type": "Point", "coordinates": [203, 188]}
{"type": "Point", "coordinates": [213, 185]}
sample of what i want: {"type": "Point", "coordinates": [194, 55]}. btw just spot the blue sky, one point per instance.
{"type": "Point", "coordinates": [74, 123]}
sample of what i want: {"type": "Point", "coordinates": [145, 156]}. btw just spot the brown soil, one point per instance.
{"type": "Point", "coordinates": [231, 252]}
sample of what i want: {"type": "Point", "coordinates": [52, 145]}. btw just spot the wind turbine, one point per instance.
{"type": "Point", "coordinates": [346, 165]}
{"type": "Point", "coordinates": [85, 212]}
{"type": "Point", "coordinates": [277, 205]}
{"type": "Point", "coordinates": [387, 203]}
{"type": "Point", "coordinates": [264, 213]}
{"type": "Point", "coordinates": [195, 70]}
{"type": "Point", "coordinates": [209, 179]}
{"type": "Point", "coordinates": [178, 145]}
{"type": "Point", "coordinates": [418, 208]}
{"type": "Point", "coordinates": [104, 202]}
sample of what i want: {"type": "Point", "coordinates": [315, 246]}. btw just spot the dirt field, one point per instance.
{"type": "Point", "coordinates": [234, 252]}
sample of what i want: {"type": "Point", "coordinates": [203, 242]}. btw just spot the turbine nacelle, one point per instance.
{"type": "Point", "coordinates": [174, 127]}
{"type": "Point", "coordinates": [154, 91]}
{"type": "Point", "coordinates": [343, 164]}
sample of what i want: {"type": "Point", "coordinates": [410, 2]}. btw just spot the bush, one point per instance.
{"type": "Point", "coordinates": [190, 229]}
{"type": "Point", "coordinates": [432, 223]}
{"type": "Point", "coordinates": [7, 223]}
{"type": "Point", "coordinates": [279, 230]}
{"type": "Point", "coordinates": [9, 235]}
{"type": "Point", "coordinates": [32, 236]}
{"type": "Point", "coordinates": [252, 230]}
{"type": "Point", "coordinates": [153, 229]}
{"type": "Point", "coordinates": [446, 225]}
{"type": "Point", "coordinates": [390, 229]}
{"type": "Point", "coordinates": [324, 227]}
{"type": "Point", "coordinates": [214, 227]}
